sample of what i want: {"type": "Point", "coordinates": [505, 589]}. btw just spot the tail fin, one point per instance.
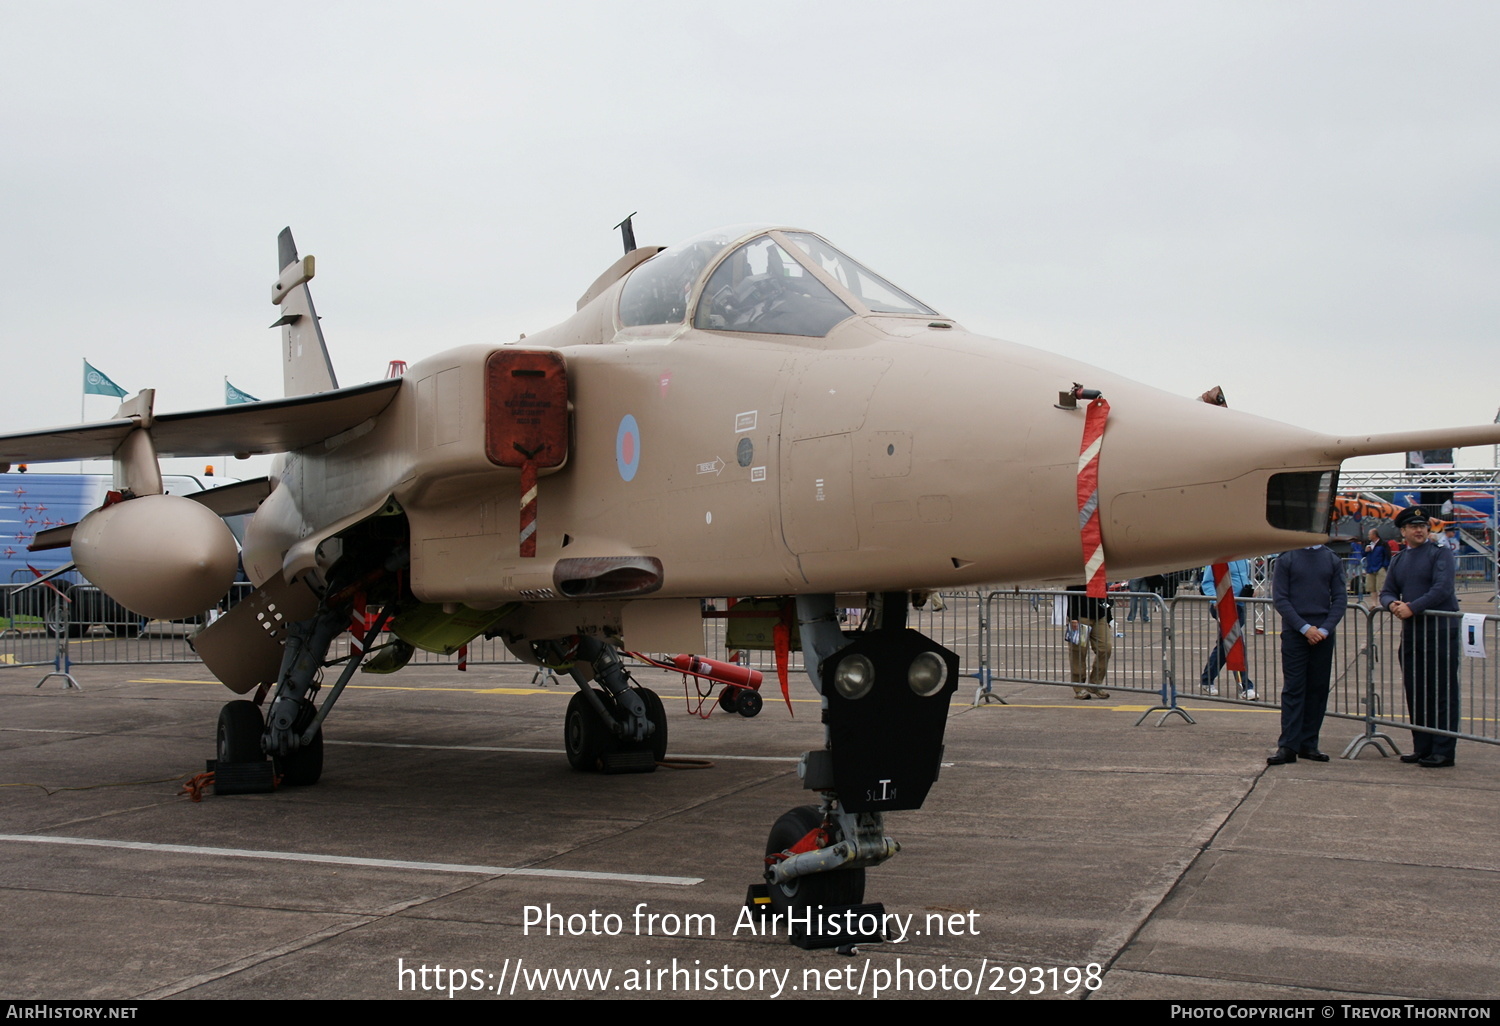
{"type": "Point", "coordinates": [305, 362]}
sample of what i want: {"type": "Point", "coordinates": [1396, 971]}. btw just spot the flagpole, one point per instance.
{"type": "Point", "coordinates": [225, 467]}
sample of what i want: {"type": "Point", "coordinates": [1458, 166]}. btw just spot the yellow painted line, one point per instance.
{"type": "Point", "coordinates": [558, 691]}
{"type": "Point", "coordinates": [6, 657]}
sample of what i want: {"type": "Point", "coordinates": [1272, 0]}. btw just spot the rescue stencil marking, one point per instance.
{"type": "Point", "coordinates": [628, 447]}
{"type": "Point", "coordinates": [757, 473]}
{"type": "Point", "coordinates": [745, 421]}
{"type": "Point", "coordinates": [713, 466]}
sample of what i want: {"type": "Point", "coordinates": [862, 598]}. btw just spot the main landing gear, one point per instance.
{"type": "Point", "coordinates": [620, 728]}
{"type": "Point", "coordinates": [885, 706]}
{"type": "Point", "coordinates": [291, 732]}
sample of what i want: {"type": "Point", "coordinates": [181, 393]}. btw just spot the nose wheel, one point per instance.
{"type": "Point", "coordinates": [838, 887]}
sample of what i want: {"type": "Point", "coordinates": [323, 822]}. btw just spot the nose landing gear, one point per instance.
{"type": "Point", "coordinates": [885, 707]}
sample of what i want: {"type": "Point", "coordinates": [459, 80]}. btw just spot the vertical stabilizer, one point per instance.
{"type": "Point", "coordinates": [305, 362]}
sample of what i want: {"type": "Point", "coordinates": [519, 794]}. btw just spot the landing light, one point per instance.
{"type": "Point", "coordinates": [927, 674]}
{"type": "Point", "coordinates": [854, 677]}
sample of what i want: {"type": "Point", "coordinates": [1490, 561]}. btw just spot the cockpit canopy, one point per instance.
{"type": "Point", "coordinates": [778, 283]}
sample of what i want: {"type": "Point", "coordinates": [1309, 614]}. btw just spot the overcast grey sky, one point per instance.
{"type": "Point", "coordinates": [1297, 201]}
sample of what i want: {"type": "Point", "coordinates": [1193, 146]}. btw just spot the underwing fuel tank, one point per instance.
{"type": "Point", "coordinates": [162, 556]}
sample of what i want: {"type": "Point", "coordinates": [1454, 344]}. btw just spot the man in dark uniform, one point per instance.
{"type": "Point", "coordinates": [1308, 589]}
{"type": "Point", "coordinates": [1421, 581]}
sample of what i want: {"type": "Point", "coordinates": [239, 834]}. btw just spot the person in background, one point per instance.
{"type": "Point", "coordinates": [1093, 616]}
{"type": "Point", "coordinates": [1239, 580]}
{"type": "Point", "coordinates": [1354, 569]}
{"type": "Point", "coordinates": [1377, 557]}
{"type": "Point", "coordinates": [1139, 603]}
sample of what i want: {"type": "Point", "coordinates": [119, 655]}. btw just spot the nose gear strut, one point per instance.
{"type": "Point", "coordinates": [885, 704]}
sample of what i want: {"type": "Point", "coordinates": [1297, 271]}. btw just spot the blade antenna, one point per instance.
{"type": "Point", "coordinates": [627, 231]}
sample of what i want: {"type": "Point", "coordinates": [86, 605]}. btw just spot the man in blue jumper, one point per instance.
{"type": "Point", "coordinates": [1421, 581]}
{"type": "Point", "coordinates": [1308, 590]}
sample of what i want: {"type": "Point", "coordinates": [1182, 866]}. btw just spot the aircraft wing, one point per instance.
{"type": "Point", "coordinates": [234, 499]}
{"type": "Point", "coordinates": [275, 425]}
{"type": "Point", "coordinates": [227, 501]}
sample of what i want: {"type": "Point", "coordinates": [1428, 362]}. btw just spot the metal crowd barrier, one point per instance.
{"type": "Point", "coordinates": [29, 631]}
{"type": "Point", "coordinates": [1024, 642]}
{"type": "Point", "coordinates": [1172, 655]}
{"type": "Point", "coordinates": [1478, 679]}
{"type": "Point", "coordinates": [1011, 636]}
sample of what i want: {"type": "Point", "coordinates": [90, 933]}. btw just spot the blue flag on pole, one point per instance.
{"type": "Point", "coordinates": [95, 383]}
{"type": "Point", "coordinates": [233, 396]}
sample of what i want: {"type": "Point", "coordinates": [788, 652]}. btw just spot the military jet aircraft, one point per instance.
{"type": "Point", "coordinates": [751, 412]}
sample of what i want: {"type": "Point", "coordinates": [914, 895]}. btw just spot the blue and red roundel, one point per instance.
{"type": "Point", "coordinates": [628, 447]}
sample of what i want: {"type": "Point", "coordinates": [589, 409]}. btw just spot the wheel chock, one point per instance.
{"type": "Point", "coordinates": [628, 762]}
{"type": "Point", "coordinates": [243, 777]}
{"type": "Point", "coordinates": [758, 899]}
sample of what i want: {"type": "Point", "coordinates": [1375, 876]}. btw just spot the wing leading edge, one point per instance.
{"type": "Point", "coordinates": [275, 425]}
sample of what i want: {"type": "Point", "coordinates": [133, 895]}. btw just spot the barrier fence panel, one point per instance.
{"type": "Point", "coordinates": [1439, 637]}
{"type": "Point", "coordinates": [34, 623]}
{"type": "Point", "coordinates": [954, 620]}
{"type": "Point", "coordinates": [1026, 643]}
{"type": "Point", "coordinates": [101, 631]}
{"type": "Point", "coordinates": [1475, 572]}
{"type": "Point", "coordinates": [1013, 636]}
{"type": "Point", "coordinates": [1198, 632]}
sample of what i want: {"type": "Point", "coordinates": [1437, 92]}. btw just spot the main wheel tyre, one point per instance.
{"type": "Point", "coordinates": [750, 704]}
{"type": "Point", "coordinates": [585, 736]}
{"type": "Point", "coordinates": [240, 728]}
{"type": "Point", "coordinates": [304, 766]}
{"type": "Point", "coordinates": [839, 887]}
{"type": "Point", "coordinates": [657, 714]}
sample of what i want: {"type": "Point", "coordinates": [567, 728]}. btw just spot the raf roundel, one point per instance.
{"type": "Point", "coordinates": [628, 447]}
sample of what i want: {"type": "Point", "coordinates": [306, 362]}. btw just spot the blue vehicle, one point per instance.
{"type": "Point", "coordinates": [32, 503]}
